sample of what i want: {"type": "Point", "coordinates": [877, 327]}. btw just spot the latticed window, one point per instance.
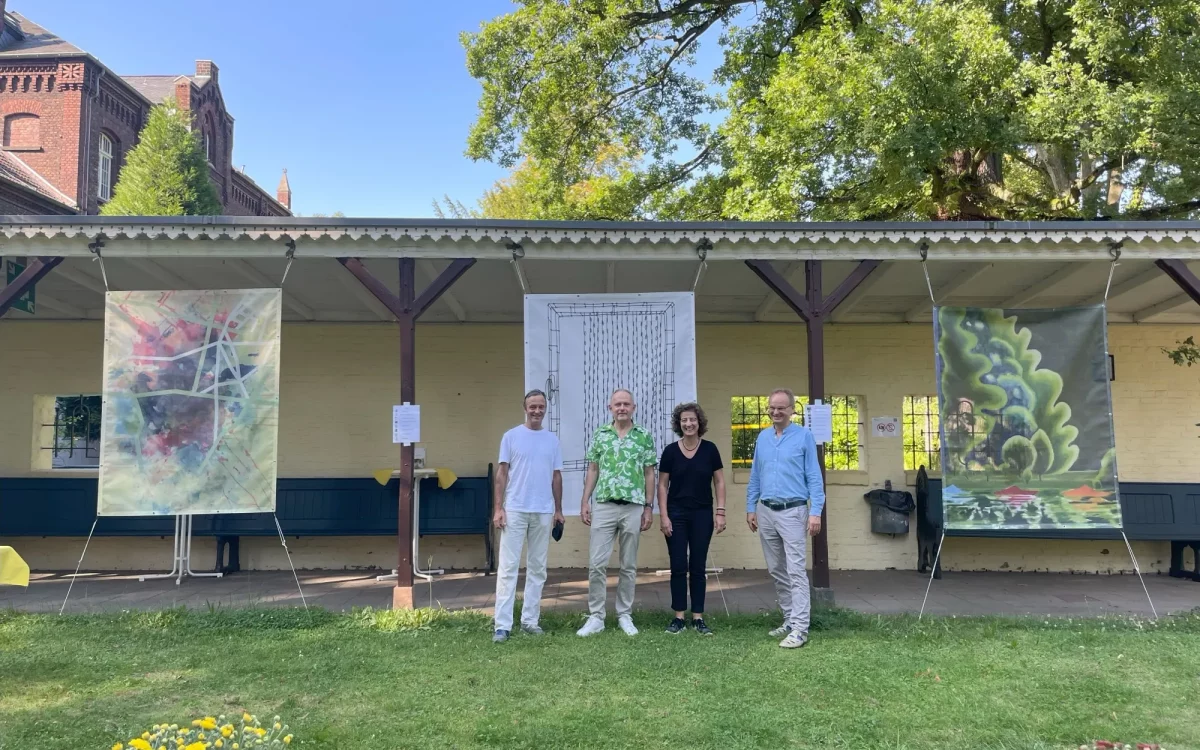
{"type": "Point", "coordinates": [104, 171]}
{"type": "Point", "coordinates": [76, 432]}
{"type": "Point", "coordinates": [750, 417]}
{"type": "Point", "coordinates": [922, 433]}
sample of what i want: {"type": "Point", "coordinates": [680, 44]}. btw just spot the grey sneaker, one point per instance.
{"type": "Point", "coordinates": [532, 629]}
{"type": "Point", "coordinates": [794, 640]}
{"type": "Point", "coordinates": [780, 631]}
{"type": "Point", "coordinates": [500, 636]}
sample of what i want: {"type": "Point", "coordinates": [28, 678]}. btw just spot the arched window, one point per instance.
{"type": "Point", "coordinates": [104, 171]}
{"type": "Point", "coordinates": [22, 132]}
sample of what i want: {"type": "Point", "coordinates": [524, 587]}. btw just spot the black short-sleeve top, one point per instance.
{"type": "Point", "coordinates": [690, 482]}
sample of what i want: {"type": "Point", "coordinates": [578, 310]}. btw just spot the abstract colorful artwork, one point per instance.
{"type": "Point", "coordinates": [1026, 419]}
{"type": "Point", "coordinates": [191, 402]}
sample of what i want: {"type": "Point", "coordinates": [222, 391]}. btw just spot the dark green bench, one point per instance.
{"type": "Point", "coordinates": [1159, 511]}
{"type": "Point", "coordinates": [66, 507]}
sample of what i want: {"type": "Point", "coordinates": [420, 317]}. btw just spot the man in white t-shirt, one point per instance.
{"type": "Point", "coordinates": [528, 502]}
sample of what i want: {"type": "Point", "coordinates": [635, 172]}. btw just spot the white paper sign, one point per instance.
{"type": "Point", "coordinates": [818, 417]}
{"type": "Point", "coordinates": [885, 427]}
{"type": "Point", "coordinates": [406, 424]}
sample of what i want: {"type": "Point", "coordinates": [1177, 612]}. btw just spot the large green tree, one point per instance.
{"type": "Point", "coordinates": [166, 173]}
{"type": "Point", "coordinates": [853, 109]}
{"type": "Point", "coordinates": [609, 187]}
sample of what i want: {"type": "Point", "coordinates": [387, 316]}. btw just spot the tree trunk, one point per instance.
{"type": "Point", "coordinates": [1116, 187]}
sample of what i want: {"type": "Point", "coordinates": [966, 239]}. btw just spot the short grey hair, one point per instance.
{"type": "Point", "coordinates": [531, 394]}
{"type": "Point", "coordinates": [626, 391]}
{"type": "Point", "coordinates": [787, 392]}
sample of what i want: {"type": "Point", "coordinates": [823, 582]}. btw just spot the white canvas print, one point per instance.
{"type": "Point", "coordinates": [579, 348]}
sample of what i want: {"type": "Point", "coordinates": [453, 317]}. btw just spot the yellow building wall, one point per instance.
{"type": "Point", "coordinates": [340, 380]}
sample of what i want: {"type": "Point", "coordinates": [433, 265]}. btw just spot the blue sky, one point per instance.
{"type": "Point", "coordinates": [367, 103]}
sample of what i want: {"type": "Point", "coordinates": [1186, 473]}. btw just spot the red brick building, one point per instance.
{"type": "Point", "coordinates": [69, 121]}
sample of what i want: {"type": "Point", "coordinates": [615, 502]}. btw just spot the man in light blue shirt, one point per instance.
{"type": "Point", "coordinates": [783, 504]}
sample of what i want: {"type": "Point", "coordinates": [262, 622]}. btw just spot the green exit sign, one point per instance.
{"type": "Point", "coordinates": [24, 303]}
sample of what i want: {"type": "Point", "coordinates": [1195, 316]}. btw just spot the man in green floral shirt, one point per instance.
{"type": "Point", "coordinates": [621, 462]}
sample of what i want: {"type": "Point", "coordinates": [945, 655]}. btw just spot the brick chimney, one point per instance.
{"type": "Point", "coordinates": [283, 193]}
{"type": "Point", "coordinates": [183, 93]}
{"type": "Point", "coordinates": [206, 69]}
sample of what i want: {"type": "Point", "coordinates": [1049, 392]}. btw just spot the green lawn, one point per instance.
{"type": "Point", "coordinates": [369, 680]}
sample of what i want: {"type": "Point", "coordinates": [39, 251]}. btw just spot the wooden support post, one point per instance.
{"type": "Point", "coordinates": [1181, 275]}
{"type": "Point", "coordinates": [28, 279]}
{"type": "Point", "coordinates": [816, 390]}
{"type": "Point", "coordinates": [407, 320]}
{"type": "Point", "coordinates": [407, 307]}
{"type": "Point", "coordinates": [814, 309]}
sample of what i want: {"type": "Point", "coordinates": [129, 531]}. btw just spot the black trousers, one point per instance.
{"type": "Point", "coordinates": [692, 530]}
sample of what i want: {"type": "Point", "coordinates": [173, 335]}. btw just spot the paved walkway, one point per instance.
{"type": "Point", "coordinates": [874, 592]}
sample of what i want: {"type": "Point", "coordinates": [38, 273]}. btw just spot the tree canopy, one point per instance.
{"type": "Point", "coordinates": [166, 173]}
{"type": "Point", "coordinates": [845, 109]}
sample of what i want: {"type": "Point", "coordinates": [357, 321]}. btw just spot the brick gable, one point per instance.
{"type": "Point", "coordinates": [57, 101]}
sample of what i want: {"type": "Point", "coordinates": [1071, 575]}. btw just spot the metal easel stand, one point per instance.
{"type": "Point", "coordinates": [181, 563]}
{"type": "Point", "coordinates": [1128, 546]}
{"type": "Point", "coordinates": [428, 575]}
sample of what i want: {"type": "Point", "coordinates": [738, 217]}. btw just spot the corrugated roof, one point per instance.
{"type": "Point", "coordinates": [258, 236]}
{"type": "Point", "coordinates": [17, 171]}
{"type": "Point", "coordinates": [155, 88]}
{"type": "Point", "coordinates": [35, 40]}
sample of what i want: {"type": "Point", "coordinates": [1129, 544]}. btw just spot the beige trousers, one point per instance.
{"type": "Point", "coordinates": [622, 523]}
{"type": "Point", "coordinates": [784, 536]}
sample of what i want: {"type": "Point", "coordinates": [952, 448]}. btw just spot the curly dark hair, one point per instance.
{"type": "Point", "coordinates": [694, 408]}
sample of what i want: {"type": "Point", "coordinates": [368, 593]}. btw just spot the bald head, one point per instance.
{"type": "Point", "coordinates": [621, 406]}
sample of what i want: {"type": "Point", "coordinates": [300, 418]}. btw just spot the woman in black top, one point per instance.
{"type": "Point", "coordinates": [687, 473]}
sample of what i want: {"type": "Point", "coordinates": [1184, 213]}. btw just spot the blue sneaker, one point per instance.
{"type": "Point", "coordinates": [500, 636]}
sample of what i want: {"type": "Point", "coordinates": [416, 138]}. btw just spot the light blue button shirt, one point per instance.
{"type": "Point", "coordinates": [786, 468]}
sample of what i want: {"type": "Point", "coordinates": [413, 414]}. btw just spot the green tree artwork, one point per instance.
{"type": "Point", "coordinates": [166, 173]}
{"type": "Point", "coordinates": [1012, 450]}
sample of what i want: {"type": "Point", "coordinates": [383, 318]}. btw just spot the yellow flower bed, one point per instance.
{"type": "Point", "coordinates": [245, 733]}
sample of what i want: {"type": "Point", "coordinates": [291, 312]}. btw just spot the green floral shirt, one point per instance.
{"type": "Point", "coordinates": [622, 463]}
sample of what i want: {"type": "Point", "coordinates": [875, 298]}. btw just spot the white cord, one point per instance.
{"type": "Point", "coordinates": [79, 564]}
{"type": "Point", "coordinates": [291, 256]}
{"type": "Point", "coordinates": [1138, 570]}
{"type": "Point", "coordinates": [932, 573]}
{"type": "Point", "coordinates": [720, 588]}
{"type": "Point", "coordinates": [289, 557]}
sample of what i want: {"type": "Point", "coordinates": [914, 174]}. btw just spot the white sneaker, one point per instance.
{"type": "Point", "coordinates": [794, 640]}
{"type": "Point", "coordinates": [591, 627]}
{"type": "Point", "coordinates": [626, 623]}
{"type": "Point", "coordinates": [780, 631]}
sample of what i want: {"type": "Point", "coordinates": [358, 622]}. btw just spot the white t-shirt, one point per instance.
{"type": "Point", "coordinates": [532, 457]}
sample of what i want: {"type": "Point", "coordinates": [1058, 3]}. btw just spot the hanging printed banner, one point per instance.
{"type": "Point", "coordinates": [191, 402]}
{"type": "Point", "coordinates": [579, 348]}
{"type": "Point", "coordinates": [1026, 419]}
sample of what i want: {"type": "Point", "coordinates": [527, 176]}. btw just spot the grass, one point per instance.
{"type": "Point", "coordinates": [433, 679]}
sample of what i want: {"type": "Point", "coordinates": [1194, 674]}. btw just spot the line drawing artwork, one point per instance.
{"type": "Point", "coordinates": [191, 402]}
{"type": "Point", "coordinates": [580, 348]}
